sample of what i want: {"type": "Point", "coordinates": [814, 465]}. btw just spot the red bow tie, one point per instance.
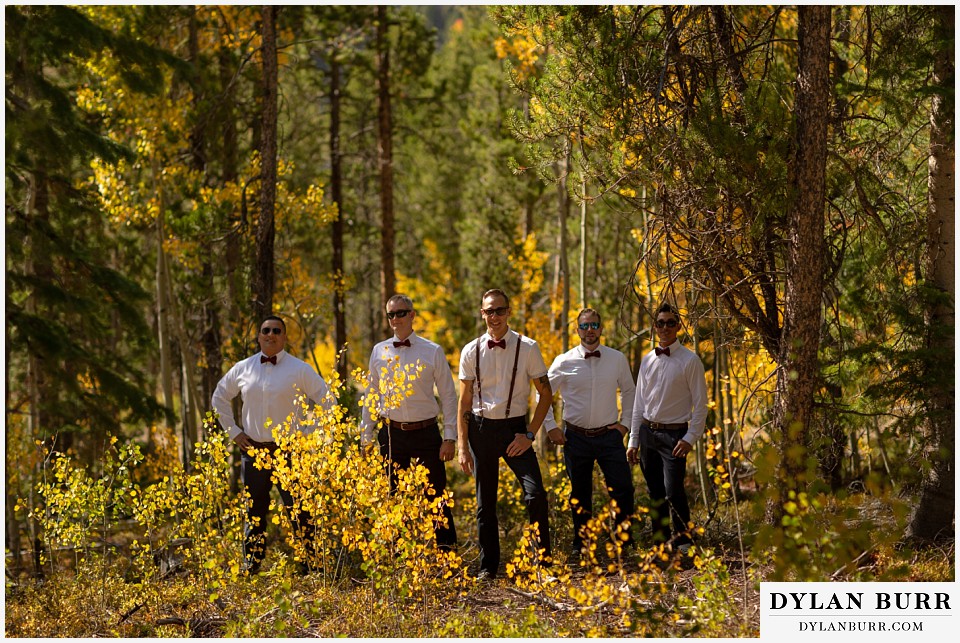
{"type": "Point", "coordinates": [492, 343]}
{"type": "Point", "coordinates": [662, 351]}
{"type": "Point", "coordinates": [590, 354]}
{"type": "Point", "coordinates": [272, 359]}
{"type": "Point", "coordinates": [405, 342]}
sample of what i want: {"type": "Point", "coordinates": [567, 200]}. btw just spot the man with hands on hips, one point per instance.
{"type": "Point", "coordinates": [269, 384]}
{"type": "Point", "coordinates": [411, 431]}
{"type": "Point", "coordinates": [669, 414]}
{"type": "Point", "coordinates": [495, 374]}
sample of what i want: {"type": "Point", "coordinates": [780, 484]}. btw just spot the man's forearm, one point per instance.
{"type": "Point", "coordinates": [463, 412]}
{"type": "Point", "coordinates": [543, 404]}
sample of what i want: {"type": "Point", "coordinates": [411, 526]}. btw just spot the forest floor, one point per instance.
{"type": "Point", "coordinates": [714, 593]}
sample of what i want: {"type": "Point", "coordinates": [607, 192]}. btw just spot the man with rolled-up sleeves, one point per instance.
{"type": "Point", "coordinates": [495, 374]}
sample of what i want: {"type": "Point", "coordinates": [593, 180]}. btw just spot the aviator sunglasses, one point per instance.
{"type": "Point", "coordinates": [590, 325]}
{"type": "Point", "coordinates": [669, 323]}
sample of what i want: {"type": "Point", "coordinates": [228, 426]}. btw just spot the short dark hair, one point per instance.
{"type": "Point", "coordinates": [273, 318]}
{"type": "Point", "coordinates": [589, 311]}
{"type": "Point", "coordinates": [400, 298]}
{"type": "Point", "coordinates": [496, 292]}
{"type": "Point", "coordinates": [667, 308]}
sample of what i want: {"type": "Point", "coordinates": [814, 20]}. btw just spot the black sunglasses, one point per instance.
{"type": "Point", "coordinates": [266, 330]}
{"type": "Point", "coordinates": [586, 325]}
{"type": "Point", "coordinates": [398, 313]}
{"type": "Point", "coordinates": [669, 323]}
{"type": "Point", "coordinates": [499, 312]}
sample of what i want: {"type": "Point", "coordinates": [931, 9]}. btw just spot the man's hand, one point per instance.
{"type": "Point", "coordinates": [244, 442]}
{"type": "Point", "coordinates": [447, 450]}
{"type": "Point", "coordinates": [518, 446]}
{"type": "Point", "coordinates": [466, 460]}
{"type": "Point", "coordinates": [366, 449]}
{"type": "Point", "coordinates": [556, 436]}
{"type": "Point", "coordinates": [633, 455]}
{"type": "Point", "coordinates": [682, 449]}
{"type": "Point", "coordinates": [619, 427]}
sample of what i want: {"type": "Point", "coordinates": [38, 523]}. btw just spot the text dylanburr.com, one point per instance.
{"type": "Point", "coordinates": [847, 610]}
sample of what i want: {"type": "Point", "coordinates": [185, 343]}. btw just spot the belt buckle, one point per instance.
{"type": "Point", "coordinates": [404, 425]}
{"type": "Point", "coordinates": [592, 433]}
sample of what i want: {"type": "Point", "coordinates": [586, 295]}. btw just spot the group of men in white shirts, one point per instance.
{"type": "Point", "coordinates": [663, 411]}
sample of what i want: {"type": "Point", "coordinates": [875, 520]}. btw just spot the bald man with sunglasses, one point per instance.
{"type": "Point", "coordinates": [270, 385]}
{"type": "Point", "coordinates": [411, 430]}
{"type": "Point", "coordinates": [669, 414]}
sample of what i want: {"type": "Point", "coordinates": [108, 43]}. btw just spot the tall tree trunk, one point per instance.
{"type": "Point", "coordinates": [388, 277]}
{"type": "Point", "coordinates": [163, 320]}
{"type": "Point", "coordinates": [583, 243]}
{"type": "Point", "coordinates": [233, 259]}
{"type": "Point", "coordinates": [38, 423]}
{"type": "Point", "coordinates": [210, 310]}
{"type": "Point", "coordinates": [934, 514]}
{"type": "Point", "coordinates": [336, 230]}
{"type": "Point", "coordinates": [189, 404]}
{"type": "Point", "coordinates": [266, 227]}
{"type": "Point", "coordinates": [798, 370]}
{"type": "Point", "coordinates": [563, 213]}
{"type": "Point", "coordinates": [11, 448]}
{"type": "Point", "coordinates": [234, 251]}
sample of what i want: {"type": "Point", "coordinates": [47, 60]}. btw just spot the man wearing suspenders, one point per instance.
{"type": "Point", "coordinates": [495, 374]}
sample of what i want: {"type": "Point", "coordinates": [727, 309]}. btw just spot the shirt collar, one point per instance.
{"type": "Point", "coordinates": [583, 351]}
{"type": "Point", "coordinates": [412, 336]}
{"type": "Point", "coordinates": [279, 355]}
{"type": "Point", "coordinates": [507, 336]}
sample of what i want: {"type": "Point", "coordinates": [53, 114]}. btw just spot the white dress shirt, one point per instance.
{"type": "Point", "coordinates": [589, 386]}
{"type": "Point", "coordinates": [269, 393]}
{"type": "Point", "coordinates": [421, 405]}
{"type": "Point", "coordinates": [671, 389]}
{"type": "Point", "coordinates": [496, 368]}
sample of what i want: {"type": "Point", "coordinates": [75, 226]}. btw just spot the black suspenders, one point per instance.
{"type": "Point", "coordinates": [513, 376]}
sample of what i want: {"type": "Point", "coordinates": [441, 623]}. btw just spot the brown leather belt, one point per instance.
{"type": "Point", "coordinates": [264, 445]}
{"type": "Point", "coordinates": [413, 426]}
{"type": "Point", "coordinates": [590, 433]}
{"type": "Point", "coordinates": [658, 426]}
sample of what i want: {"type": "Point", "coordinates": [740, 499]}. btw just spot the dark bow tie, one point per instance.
{"type": "Point", "coordinates": [405, 342]}
{"type": "Point", "coordinates": [272, 359]}
{"type": "Point", "coordinates": [590, 354]}
{"type": "Point", "coordinates": [492, 343]}
{"type": "Point", "coordinates": [662, 351]}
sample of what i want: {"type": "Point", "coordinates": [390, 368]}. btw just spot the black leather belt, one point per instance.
{"type": "Point", "coordinates": [658, 426]}
{"type": "Point", "coordinates": [413, 426]}
{"type": "Point", "coordinates": [264, 445]}
{"type": "Point", "coordinates": [590, 433]}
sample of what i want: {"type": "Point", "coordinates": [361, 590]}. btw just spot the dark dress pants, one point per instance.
{"type": "Point", "coordinates": [258, 485]}
{"type": "Point", "coordinates": [401, 448]}
{"type": "Point", "coordinates": [489, 440]}
{"type": "Point", "coordinates": [664, 473]}
{"type": "Point", "coordinates": [609, 452]}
